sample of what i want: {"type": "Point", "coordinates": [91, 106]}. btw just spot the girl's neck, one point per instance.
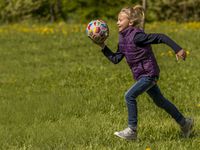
{"type": "Point", "coordinates": [126, 29]}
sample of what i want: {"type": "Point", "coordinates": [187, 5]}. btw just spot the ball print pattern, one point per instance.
{"type": "Point", "coordinates": [97, 30]}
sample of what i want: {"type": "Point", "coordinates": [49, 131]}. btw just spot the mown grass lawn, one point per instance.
{"type": "Point", "coordinates": [58, 91]}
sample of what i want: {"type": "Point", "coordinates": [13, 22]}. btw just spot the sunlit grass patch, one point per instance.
{"type": "Point", "coordinates": [58, 91]}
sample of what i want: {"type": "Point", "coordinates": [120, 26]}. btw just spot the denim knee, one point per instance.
{"type": "Point", "coordinates": [130, 98]}
{"type": "Point", "coordinates": [160, 103]}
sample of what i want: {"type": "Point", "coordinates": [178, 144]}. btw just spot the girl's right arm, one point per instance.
{"type": "Point", "coordinates": [113, 57]}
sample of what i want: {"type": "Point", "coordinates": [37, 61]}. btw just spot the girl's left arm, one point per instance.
{"type": "Point", "coordinates": [144, 39]}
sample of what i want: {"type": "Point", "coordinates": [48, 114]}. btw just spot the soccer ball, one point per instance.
{"type": "Point", "coordinates": [98, 31]}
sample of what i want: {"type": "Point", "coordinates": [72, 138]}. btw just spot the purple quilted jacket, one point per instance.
{"type": "Point", "coordinates": [140, 59]}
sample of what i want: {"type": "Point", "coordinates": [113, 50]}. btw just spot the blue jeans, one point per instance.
{"type": "Point", "coordinates": [148, 84]}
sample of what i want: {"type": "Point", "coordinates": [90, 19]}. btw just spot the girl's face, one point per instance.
{"type": "Point", "coordinates": [123, 21]}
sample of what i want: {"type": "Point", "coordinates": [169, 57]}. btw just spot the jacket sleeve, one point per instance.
{"type": "Point", "coordinates": [143, 39]}
{"type": "Point", "coordinates": [113, 57]}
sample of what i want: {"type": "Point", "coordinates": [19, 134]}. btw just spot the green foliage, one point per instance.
{"type": "Point", "coordinates": [177, 10]}
{"type": "Point", "coordinates": [82, 10]}
{"type": "Point", "coordinates": [85, 10]}
{"type": "Point", "coordinates": [16, 10]}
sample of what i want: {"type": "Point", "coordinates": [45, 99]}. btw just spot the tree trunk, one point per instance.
{"type": "Point", "coordinates": [52, 13]}
{"type": "Point", "coordinates": [59, 6]}
{"type": "Point", "coordinates": [144, 4]}
{"type": "Point", "coordinates": [59, 9]}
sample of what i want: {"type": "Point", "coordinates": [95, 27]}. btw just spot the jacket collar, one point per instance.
{"type": "Point", "coordinates": [126, 31]}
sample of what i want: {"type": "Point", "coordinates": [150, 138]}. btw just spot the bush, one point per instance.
{"type": "Point", "coordinates": [82, 10]}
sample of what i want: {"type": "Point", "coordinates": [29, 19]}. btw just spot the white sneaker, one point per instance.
{"type": "Point", "coordinates": [127, 134]}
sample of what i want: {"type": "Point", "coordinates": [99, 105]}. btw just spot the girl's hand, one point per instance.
{"type": "Point", "coordinates": [182, 54]}
{"type": "Point", "coordinates": [102, 45]}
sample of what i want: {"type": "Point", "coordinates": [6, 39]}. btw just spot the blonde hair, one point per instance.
{"type": "Point", "coordinates": [135, 15]}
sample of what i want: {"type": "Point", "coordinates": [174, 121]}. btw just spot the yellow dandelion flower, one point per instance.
{"type": "Point", "coordinates": [64, 32]}
{"type": "Point", "coordinates": [25, 30]}
{"type": "Point", "coordinates": [170, 53]}
{"type": "Point", "coordinates": [46, 30]}
{"type": "Point", "coordinates": [175, 30]}
{"type": "Point", "coordinates": [193, 25]}
{"type": "Point", "coordinates": [51, 30]}
{"type": "Point", "coordinates": [162, 54]}
{"type": "Point", "coordinates": [187, 52]}
{"type": "Point", "coordinates": [148, 148]}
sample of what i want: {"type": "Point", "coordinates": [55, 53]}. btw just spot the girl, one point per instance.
{"type": "Point", "coordinates": [135, 46]}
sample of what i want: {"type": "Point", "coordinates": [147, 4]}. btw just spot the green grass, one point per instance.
{"type": "Point", "coordinates": [59, 92]}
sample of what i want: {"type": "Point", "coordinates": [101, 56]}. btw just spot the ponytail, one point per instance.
{"type": "Point", "coordinates": [138, 16]}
